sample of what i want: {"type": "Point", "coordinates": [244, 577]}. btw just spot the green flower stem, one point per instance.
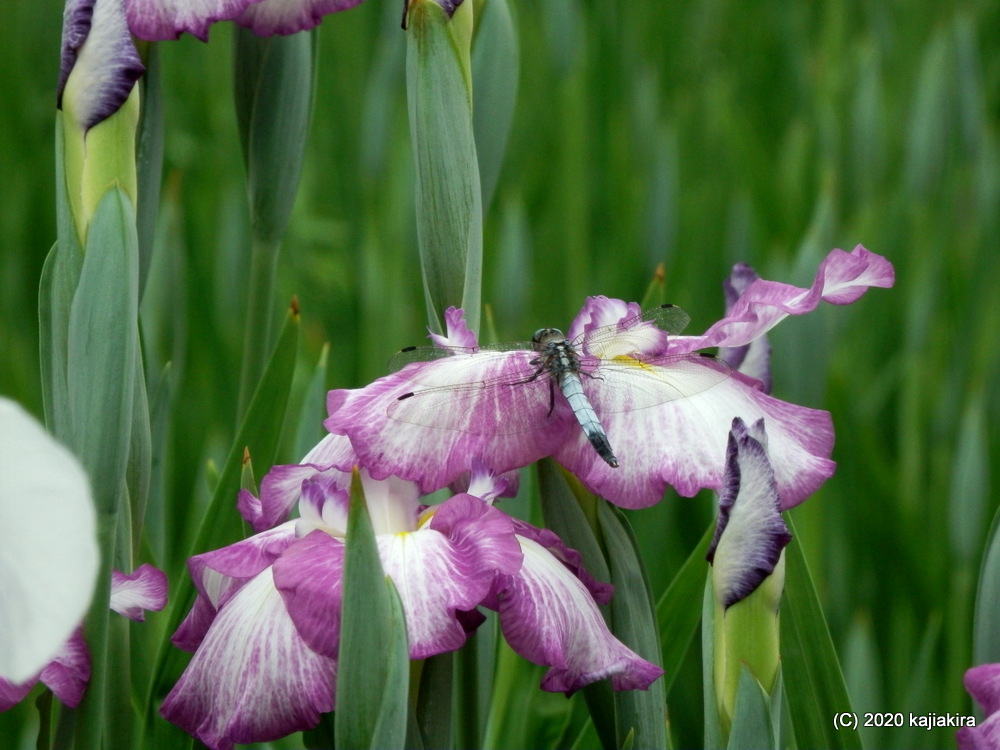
{"type": "Point", "coordinates": [257, 331]}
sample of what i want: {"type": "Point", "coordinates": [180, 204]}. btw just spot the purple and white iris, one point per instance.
{"type": "Point", "coordinates": [68, 673]}
{"type": "Point", "coordinates": [265, 627]}
{"type": "Point", "coordinates": [679, 441]}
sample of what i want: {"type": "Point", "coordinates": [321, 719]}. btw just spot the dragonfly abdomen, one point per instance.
{"type": "Point", "coordinates": [572, 388]}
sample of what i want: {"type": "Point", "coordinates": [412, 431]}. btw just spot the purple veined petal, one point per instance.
{"type": "Point", "coordinates": [841, 279]}
{"type": "Point", "coordinates": [280, 488]}
{"type": "Point", "coordinates": [309, 576]}
{"type": "Point", "coordinates": [289, 16]}
{"type": "Point", "coordinates": [13, 693]}
{"type": "Point", "coordinates": [482, 535]}
{"type": "Point", "coordinates": [753, 359]}
{"type": "Point", "coordinates": [548, 617]}
{"type": "Point", "coordinates": [432, 438]}
{"type": "Point", "coordinates": [145, 589]}
{"type": "Point", "coordinates": [601, 592]}
{"type": "Point", "coordinates": [212, 571]}
{"type": "Point", "coordinates": [253, 679]}
{"type": "Point", "coordinates": [48, 548]}
{"type": "Point", "coordinates": [458, 333]}
{"type": "Point", "coordinates": [983, 736]}
{"type": "Point", "coordinates": [983, 684]}
{"type": "Point", "coordinates": [484, 484]}
{"type": "Point", "coordinates": [683, 443]}
{"type": "Point", "coordinates": [68, 673]}
{"type": "Point", "coordinates": [97, 50]}
{"type": "Point", "coordinates": [601, 311]}
{"type": "Point", "coordinates": [157, 20]}
{"type": "Point", "coordinates": [193, 628]}
{"type": "Point", "coordinates": [751, 533]}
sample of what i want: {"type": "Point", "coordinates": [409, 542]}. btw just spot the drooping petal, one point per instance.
{"type": "Point", "coordinates": [253, 678]}
{"type": "Point", "coordinates": [458, 332]}
{"type": "Point", "coordinates": [310, 578]}
{"type": "Point", "coordinates": [145, 589]}
{"type": "Point", "coordinates": [750, 533]}
{"type": "Point", "coordinates": [48, 547]}
{"type": "Point", "coordinates": [548, 617]}
{"type": "Point", "coordinates": [97, 50]}
{"type": "Point", "coordinates": [68, 673]}
{"type": "Point", "coordinates": [752, 359]}
{"type": "Point", "coordinates": [842, 278]}
{"type": "Point", "coordinates": [432, 437]}
{"type": "Point", "coordinates": [289, 16]}
{"type": "Point", "coordinates": [156, 20]}
{"type": "Point", "coordinates": [683, 443]}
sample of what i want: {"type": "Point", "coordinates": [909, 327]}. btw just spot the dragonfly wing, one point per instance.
{"type": "Point", "coordinates": [487, 392]}
{"type": "Point", "coordinates": [627, 384]}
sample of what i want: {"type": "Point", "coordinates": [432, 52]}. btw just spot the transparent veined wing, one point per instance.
{"type": "Point", "coordinates": [625, 384]}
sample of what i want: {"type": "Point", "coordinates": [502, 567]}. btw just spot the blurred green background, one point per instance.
{"type": "Point", "coordinates": [689, 134]}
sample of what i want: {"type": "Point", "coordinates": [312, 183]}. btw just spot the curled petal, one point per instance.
{"type": "Point", "coordinates": [752, 359]}
{"type": "Point", "coordinates": [458, 332]}
{"type": "Point", "coordinates": [145, 589]}
{"type": "Point", "coordinates": [601, 311]}
{"type": "Point", "coordinates": [548, 617]}
{"type": "Point", "coordinates": [984, 736]}
{"type": "Point", "coordinates": [751, 533]}
{"type": "Point", "coordinates": [253, 679]}
{"type": "Point", "coordinates": [48, 555]}
{"type": "Point", "coordinates": [841, 279]}
{"type": "Point", "coordinates": [97, 50]}
{"type": "Point", "coordinates": [683, 443]}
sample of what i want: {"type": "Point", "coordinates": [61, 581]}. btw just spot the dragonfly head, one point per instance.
{"type": "Point", "coordinates": [545, 336]}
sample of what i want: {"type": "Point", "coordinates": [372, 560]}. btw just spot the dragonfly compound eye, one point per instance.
{"type": "Point", "coordinates": [545, 335]}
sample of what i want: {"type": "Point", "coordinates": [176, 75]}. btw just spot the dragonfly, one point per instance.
{"type": "Point", "coordinates": [511, 388]}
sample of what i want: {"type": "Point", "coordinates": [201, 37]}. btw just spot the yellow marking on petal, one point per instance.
{"type": "Point", "coordinates": [625, 359]}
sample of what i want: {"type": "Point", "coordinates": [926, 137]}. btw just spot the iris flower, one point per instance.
{"type": "Point", "coordinates": [67, 674]}
{"type": "Point", "coordinates": [265, 627]}
{"type": "Point", "coordinates": [679, 441]}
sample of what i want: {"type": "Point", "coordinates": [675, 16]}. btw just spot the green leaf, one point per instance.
{"type": "Point", "coordinates": [448, 196]}
{"type": "Point", "coordinates": [373, 666]}
{"type": "Point", "coordinates": [816, 690]}
{"type": "Point", "coordinates": [273, 81]}
{"type": "Point", "coordinates": [310, 423]}
{"type": "Point", "coordinates": [495, 59]}
{"type": "Point", "coordinates": [60, 276]}
{"type": "Point", "coordinates": [677, 612]}
{"type": "Point", "coordinates": [434, 701]}
{"type": "Point", "coordinates": [149, 160]}
{"type": "Point", "coordinates": [752, 726]}
{"type": "Point", "coordinates": [713, 722]}
{"type": "Point", "coordinates": [103, 346]}
{"type": "Point", "coordinates": [641, 711]}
